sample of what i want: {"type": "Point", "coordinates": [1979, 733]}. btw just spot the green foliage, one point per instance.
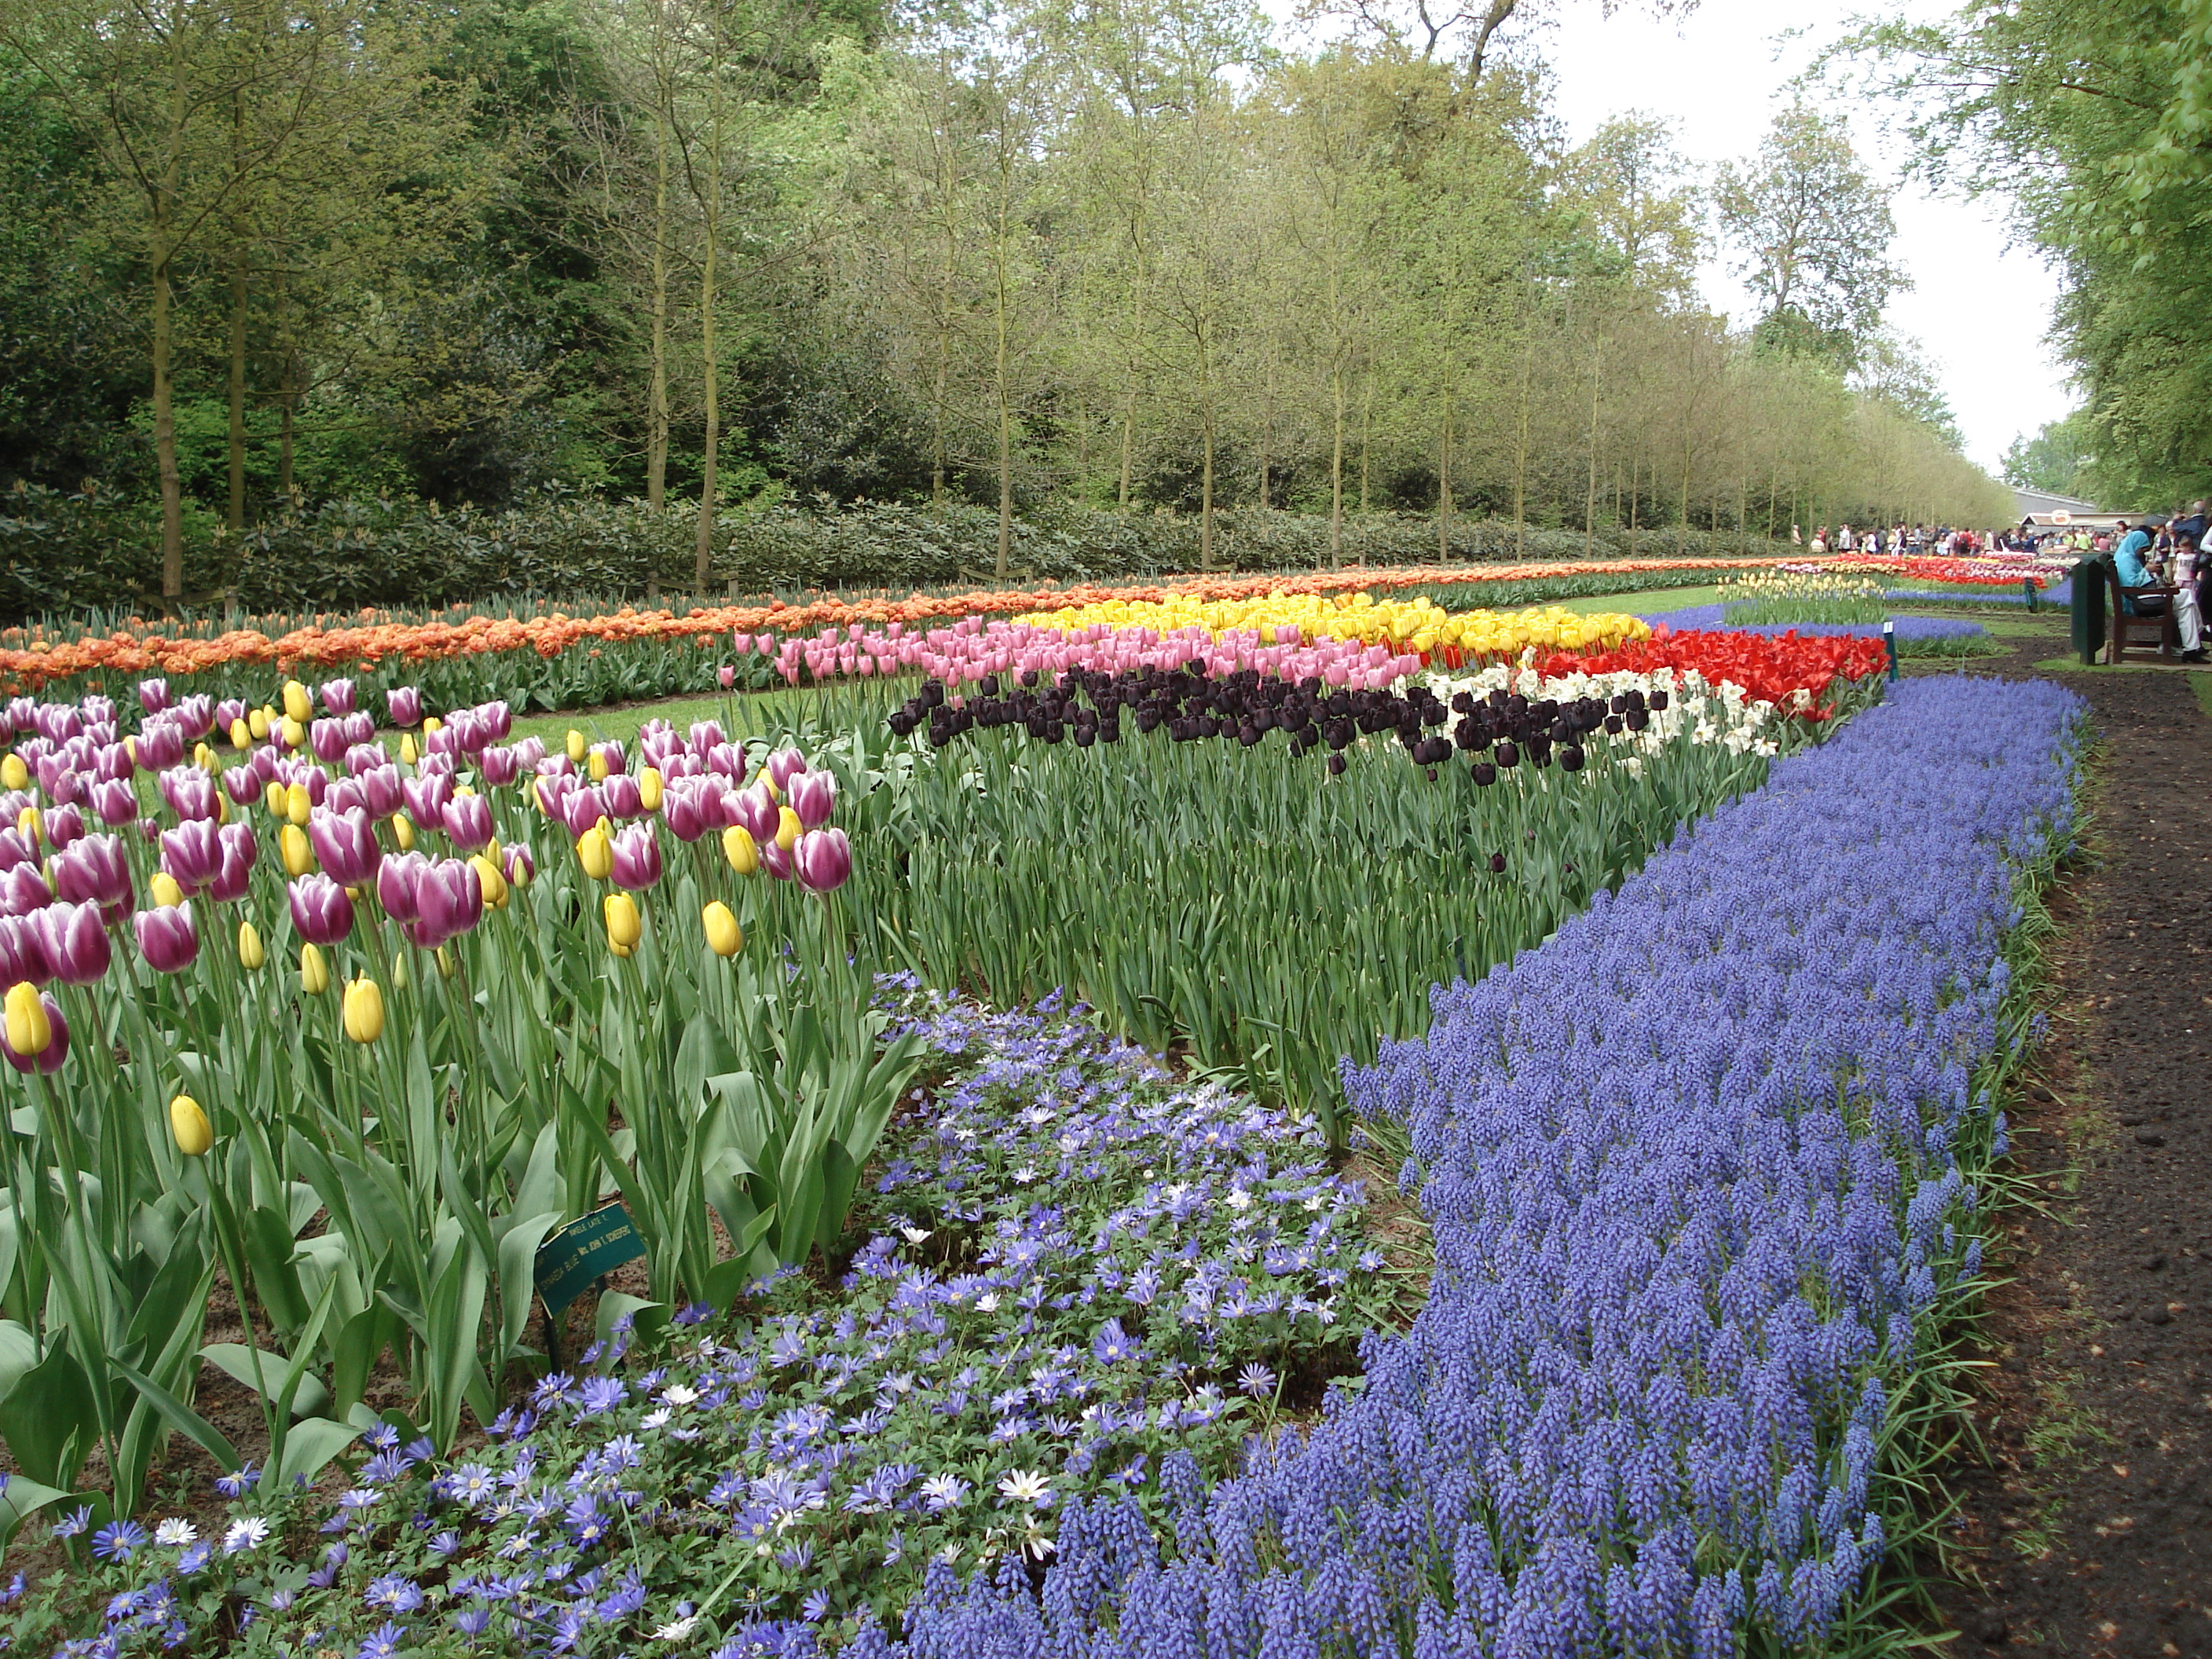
{"type": "Point", "coordinates": [2056, 460]}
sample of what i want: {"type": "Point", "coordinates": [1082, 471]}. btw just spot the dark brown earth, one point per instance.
{"type": "Point", "coordinates": [2085, 1529]}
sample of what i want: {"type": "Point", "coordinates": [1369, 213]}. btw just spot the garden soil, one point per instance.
{"type": "Point", "coordinates": [2084, 1526]}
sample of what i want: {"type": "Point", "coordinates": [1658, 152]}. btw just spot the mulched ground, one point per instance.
{"type": "Point", "coordinates": [2085, 1529]}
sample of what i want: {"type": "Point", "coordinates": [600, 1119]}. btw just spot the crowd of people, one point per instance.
{"type": "Point", "coordinates": [2170, 554]}
{"type": "Point", "coordinates": [1908, 540]}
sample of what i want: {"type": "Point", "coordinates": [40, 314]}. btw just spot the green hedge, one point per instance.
{"type": "Point", "coordinates": [63, 554]}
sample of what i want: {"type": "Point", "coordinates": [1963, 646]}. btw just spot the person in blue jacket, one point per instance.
{"type": "Point", "coordinates": [2128, 560]}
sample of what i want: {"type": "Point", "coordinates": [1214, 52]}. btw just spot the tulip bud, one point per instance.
{"type": "Point", "coordinates": [595, 851]}
{"type": "Point", "coordinates": [277, 799]}
{"type": "Point", "coordinates": [190, 1125]}
{"type": "Point", "coordinates": [251, 953]}
{"type": "Point", "coordinates": [788, 829]}
{"type": "Point", "coordinates": [241, 734]}
{"type": "Point", "coordinates": [494, 883]}
{"type": "Point", "coordinates": [403, 832]}
{"type": "Point", "coordinates": [737, 846]}
{"type": "Point", "coordinates": [727, 675]}
{"type": "Point", "coordinates": [44, 1022]}
{"type": "Point", "coordinates": [408, 753]}
{"type": "Point", "coordinates": [597, 766]}
{"type": "Point", "coordinates": [164, 889]}
{"type": "Point", "coordinates": [444, 957]}
{"type": "Point", "coordinates": [28, 826]}
{"type": "Point", "coordinates": [292, 734]}
{"type": "Point", "coordinates": [204, 757]}
{"type": "Point", "coordinates": [363, 1011]}
{"type": "Point", "coordinates": [298, 708]}
{"type": "Point", "coordinates": [724, 936]}
{"type": "Point", "coordinates": [28, 1028]}
{"type": "Point", "coordinates": [400, 977]}
{"type": "Point", "coordinates": [14, 775]}
{"type": "Point", "coordinates": [298, 802]}
{"type": "Point", "coordinates": [314, 971]}
{"type": "Point", "coordinates": [257, 725]}
{"type": "Point", "coordinates": [576, 746]}
{"type": "Point", "coordinates": [432, 723]}
{"type": "Point", "coordinates": [624, 925]}
{"type": "Point", "coordinates": [520, 868]}
{"type": "Point", "coordinates": [648, 788]}
{"type": "Point", "coordinates": [298, 855]}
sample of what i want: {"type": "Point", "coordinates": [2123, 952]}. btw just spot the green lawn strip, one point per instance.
{"type": "Point", "coordinates": [2073, 666]}
{"type": "Point", "coordinates": [1649, 601]}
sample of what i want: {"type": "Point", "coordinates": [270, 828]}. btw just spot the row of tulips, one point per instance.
{"type": "Point", "coordinates": [548, 657]}
{"type": "Point", "coordinates": [1137, 837]}
{"type": "Point", "coordinates": [1991, 570]}
{"type": "Point", "coordinates": [1419, 625]}
{"type": "Point", "coordinates": [470, 1049]}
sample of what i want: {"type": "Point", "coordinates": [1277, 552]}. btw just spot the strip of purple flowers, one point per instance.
{"type": "Point", "coordinates": [1701, 1175]}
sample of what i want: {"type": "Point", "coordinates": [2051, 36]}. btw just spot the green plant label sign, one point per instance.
{"type": "Point", "coordinates": [571, 1259]}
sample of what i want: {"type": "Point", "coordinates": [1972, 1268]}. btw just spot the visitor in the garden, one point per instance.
{"type": "Point", "coordinates": [2188, 602]}
{"type": "Point", "coordinates": [2192, 525]}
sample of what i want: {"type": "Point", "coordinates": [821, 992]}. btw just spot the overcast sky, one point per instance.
{"type": "Point", "coordinates": [1978, 309]}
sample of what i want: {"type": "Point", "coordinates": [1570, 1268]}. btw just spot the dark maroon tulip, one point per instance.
{"type": "Point", "coordinates": [1498, 864]}
{"type": "Point", "coordinates": [345, 844]}
{"type": "Point", "coordinates": [74, 941]}
{"type": "Point", "coordinates": [1336, 766]}
{"type": "Point", "coordinates": [49, 1057]}
{"type": "Point", "coordinates": [322, 911]}
{"type": "Point", "coordinates": [167, 938]}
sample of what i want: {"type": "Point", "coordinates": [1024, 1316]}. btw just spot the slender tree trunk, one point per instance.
{"type": "Point", "coordinates": [1005, 400]}
{"type": "Point", "coordinates": [1682, 528]}
{"type": "Point", "coordinates": [1266, 433]}
{"type": "Point", "coordinates": [234, 517]}
{"type": "Point", "coordinates": [702, 551]}
{"type": "Point", "coordinates": [1367, 434]}
{"type": "Point", "coordinates": [1444, 483]}
{"type": "Point", "coordinates": [1336, 468]}
{"type": "Point", "coordinates": [1132, 368]}
{"type": "Point", "coordinates": [656, 418]}
{"type": "Point", "coordinates": [1520, 465]}
{"type": "Point", "coordinates": [287, 372]}
{"type": "Point", "coordinates": [1589, 498]}
{"type": "Point", "coordinates": [943, 364]}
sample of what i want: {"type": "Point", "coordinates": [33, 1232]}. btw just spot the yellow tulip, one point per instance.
{"type": "Point", "coordinates": [275, 799]}
{"type": "Point", "coordinates": [14, 775]}
{"type": "Point", "coordinates": [251, 953]}
{"type": "Point", "coordinates": [364, 1011]}
{"type": "Point", "coordinates": [407, 752]}
{"type": "Point", "coordinates": [788, 829]}
{"type": "Point", "coordinates": [298, 706]}
{"type": "Point", "coordinates": [738, 847]}
{"type": "Point", "coordinates": [298, 802]}
{"type": "Point", "coordinates": [29, 1030]}
{"type": "Point", "coordinates": [648, 788]}
{"type": "Point", "coordinates": [194, 1134]}
{"type": "Point", "coordinates": [26, 824]}
{"type": "Point", "coordinates": [403, 832]}
{"type": "Point", "coordinates": [131, 747]}
{"type": "Point", "coordinates": [314, 972]}
{"type": "Point", "coordinates": [624, 925]}
{"type": "Point", "coordinates": [767, 783]}
{"type": "Point", "coordinates": [292, 847]}
{"type": "Point", "coordinates": [292, 734]}
{"type": "Point", "coordinates": [257, 724]}
{"type": "Point", "coordinates": [724, 936]}
{"type": "Point", "coordinates": [241, 733]}
{"type": "Point", "coordinates": [597, 768]}
{"type": "Point", "coordinates": [493, 883]}
{"type": "Point", "coordinates": [167, 893]}
{"type": "Point", "coordinates": [432, 723]}
{"type": "Point", "coordinates": [595, 850]}
{"type": "Point", "coordinates": [576, 745]}
{"type": "Point", "coordinates": [203, 757]}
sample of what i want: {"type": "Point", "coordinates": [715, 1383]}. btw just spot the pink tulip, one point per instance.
{"type": "Point", "coordinates": [74, 941]}
{"type": "Point", "coordinates": [378, 790]}
{"type": "Point", "coordinates": [161, 743]}
{"type": "Point", "coordinates": [813, 796]}
{"type": "Point", "coordinates": [691, 807]}
{"type": "Point", "coordinates": [197, 716]}
{"type": "Point", "coordinates": [756, 809]}
{"type": "Point", "coordinates": [520, 868]}
{"type": "Point", "coordinates": [726, 675]}
{"type": "Point", "coordinates": [397, 880]}
{"type": "Point", "coordinates": [93, 870]}
{"type": "Point", "coordinates": [189, 791]}
{"type": "Point", "coordinates": [322, 911]}
{"type": "Point", "coordinates": [823, 859]}
{"type": "Point", "coordinates": [167, 938]}
{"type": "Point", "coordinates": [227, 714]}
{"type": "Point", "coordinates": [468, 822]}
{"type": "Point", "coordinates": [427, 795]}
{"type": "Point", "coordinates": [448, 902]}
{"type": "Point", "coordinates": [582, 809]}
{"type": "Point", "coordinates": [22, 953]}
{"type": "Point", "coordinates": [23, 889]}
{"type": "Point", "coordinates": [499, 767]}
{"type": "Point", "coordinates": [153, 695]}
{"type": "Point", "coordinates": [404, 704]}
{"type": "Point", "coordinates": [235, 871]}
{"type": "Point", "coordinates": [637, 857]}
{"type": "Point", "coordinates": [338, 697]}
{"type": "Point", "coordinates": [65, 825]}
{"type": "Point", "coordinates": [784, 765]}
{"type": "Point", "coordinates": [14, 849]}
{"type": "Point", "coordinates": [345, 844]}
{"type": "Point", "coordinates": [192, 853]}
{"type": "Point", "coordinates": [775, 860]}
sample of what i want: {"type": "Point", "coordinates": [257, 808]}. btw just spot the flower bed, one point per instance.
{"type": "Point", "coordinates": [1074, 1277]}
{"type": "Point", "coordinates": [394, 646]}
{"type": "Point", "coordinates": [1916, 636]}
{"type": "Point", "coordinates": [1701, 1171]}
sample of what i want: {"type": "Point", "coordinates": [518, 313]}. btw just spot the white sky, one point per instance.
{"type": "Point", "coordinates": [1979, 308]}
